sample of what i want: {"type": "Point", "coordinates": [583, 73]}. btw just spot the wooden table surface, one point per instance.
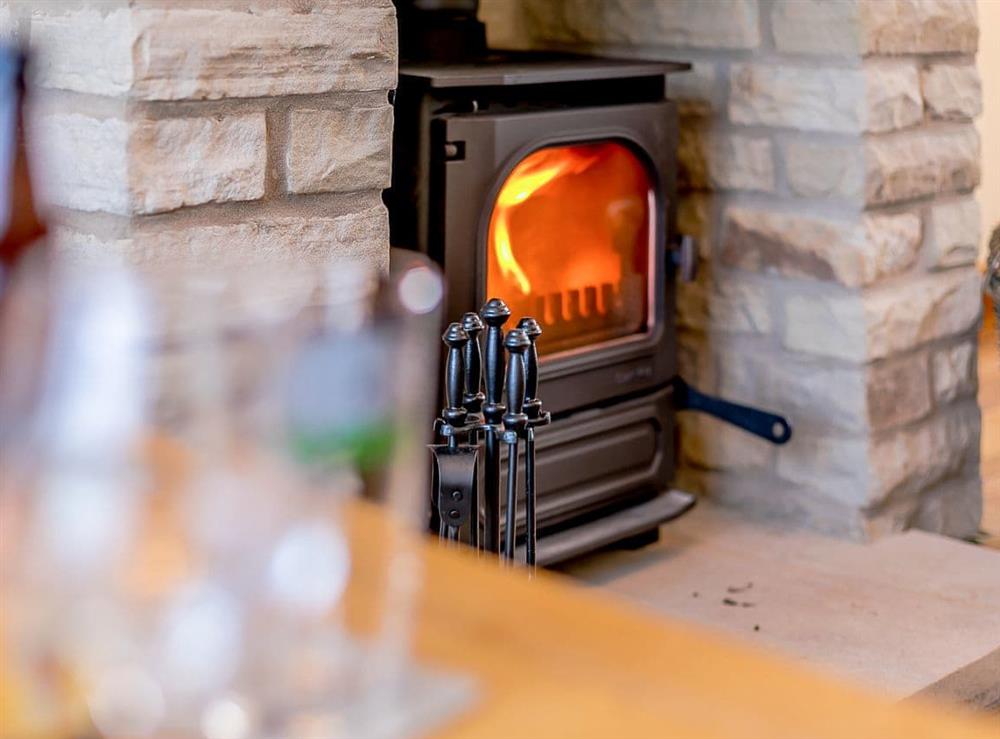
{"type": "Point", "coordinates": [555, 660]}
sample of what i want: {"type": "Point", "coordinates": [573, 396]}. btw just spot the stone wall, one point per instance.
{"type": "Point", "coordinates": [212, 127]}
{"type": "Point", "coordinates": [828, 160]}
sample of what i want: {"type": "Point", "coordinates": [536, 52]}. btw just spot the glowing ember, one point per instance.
{"type": "Point", "coordinates": [569, 242]}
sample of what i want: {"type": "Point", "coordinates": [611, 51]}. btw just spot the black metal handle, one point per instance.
{"type": "Point", "coordinates": [455, 338]}
{"type": "Point", "coordinates": [473, 398]}
{"type": "Point", "coordinates": [517, 344]}
{"type": "Point", "coordinates": [495, 314]}
{"type": "Point", "coordinates": [532, 330]}
{"type": "Point", "coordinates": [770, 426]}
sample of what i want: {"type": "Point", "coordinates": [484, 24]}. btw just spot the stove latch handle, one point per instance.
{"type": "Point", "coordinates": [684, 255]}
{"type": "Point", "coordinates": [769, 426]}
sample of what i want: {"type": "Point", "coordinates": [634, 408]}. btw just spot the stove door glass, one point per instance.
{"type": "Point", "coordinates": [569, 243]}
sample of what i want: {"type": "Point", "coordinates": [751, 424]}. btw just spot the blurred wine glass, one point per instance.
{"type": "Point", "coordinates": [181, 444]}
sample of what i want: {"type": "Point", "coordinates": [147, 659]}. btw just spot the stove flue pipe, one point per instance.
{"type": "Point", "coordinates": [440, 30]}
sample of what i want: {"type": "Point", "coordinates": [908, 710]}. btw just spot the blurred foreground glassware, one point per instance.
{"type": "Point", "coordinates": [172, 550]}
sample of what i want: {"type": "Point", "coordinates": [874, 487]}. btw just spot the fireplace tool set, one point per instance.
{"type": "Point", "coordinates": [474, 421]}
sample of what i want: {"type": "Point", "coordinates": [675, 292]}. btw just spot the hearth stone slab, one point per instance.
{"type": "Point", "coordinates": [900, 615]}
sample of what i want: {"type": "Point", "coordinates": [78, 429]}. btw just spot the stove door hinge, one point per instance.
{"type": "Point", "coordinates": [684, 255]}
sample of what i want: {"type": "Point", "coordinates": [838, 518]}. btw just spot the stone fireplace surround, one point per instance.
{"type": "Point", "coordinates": [828, 162]}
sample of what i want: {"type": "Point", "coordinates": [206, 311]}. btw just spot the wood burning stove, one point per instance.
{"type": "Point", "coordinates": [548, 180]}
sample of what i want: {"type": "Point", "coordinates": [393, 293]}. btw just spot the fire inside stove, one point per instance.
{"type": "Point", "coordinates": [569, 243]}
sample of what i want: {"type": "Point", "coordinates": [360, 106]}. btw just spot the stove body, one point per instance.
{"type": "Point", "coordinates": [548, 180]}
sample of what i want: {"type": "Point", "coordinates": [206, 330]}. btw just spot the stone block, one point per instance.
{"type": "Point", "coordinates": [952, 237]}
{"type": "Point", "coordinates": [737, 162]}
{"type": "Point", "coordinates": [185, 52]}
{"type": "Point", "coordinates": [878, 97]}
{"type": "Point", "coordinates": [911, 164]}
{"type": "Point", "coordinates": [884, 321]}
{"type": "Point", "coordinates": [689, 23]}
{"type": "Point", "coordinates": [892, 95]}
{"type": "Point", "coordinates": [339, 150]}
{"type": "Point", "coordinates": [836, 466]}
{"type": "Point", "coordinates": [954, 372]}
{"type": "Point", "coordinates": [83, 48]}
{"type": "Point", "coordinates": [696, 91]}
{"type": "Point", "coordinates": [898, 391]}
{"type": "Point", "coordinates": [725, 304]}
{"type": "Point", "coordinates": [82, 161]}
{"type": "Point", "coordinates": [358, 237]}
{"type": "Point", "coordinates": [953, 508]}
{"type": "Point", "coordinates": [919, 26]}
{"type": "Point", "coordinates": [824, 170]}
{"type": "Point", "coordinates": [952, 91]}
{"type": "Point", "coordinates": [722, 161]}
{"type": "Point", "coordinates": [176, 162]}
{"type": "Point", "coordinates": [906, 462]}
{"type": "Point", "coordinates": [809, 98]}
{"type": "Point", "coordinates": [817, 27]}
{"type": "Point", "coordinates": [853, 253]}
{"type": "Point", "coordinates": [138, 165]}
{"type": "Point", "coordinates": [709, 443]}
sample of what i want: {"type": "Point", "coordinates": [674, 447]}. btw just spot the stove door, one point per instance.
{"type": "Point", "coordinates": [565, 215]}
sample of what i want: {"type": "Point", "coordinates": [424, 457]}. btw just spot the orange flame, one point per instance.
{"type": "Point", "coordinates": [568, 242]}
{"type": "Point", "coordinates": [528, 177]}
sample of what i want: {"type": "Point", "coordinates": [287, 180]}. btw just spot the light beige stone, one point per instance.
{"type": "Point", "coordinates": [954, 371]}
{"type": "Point", "coordinates": [360, 236]}
{"type": "Point", "coordinates": [911, 164]}
{"type": "Point", "coordinates": [83, 48]}
{"type": "Point", "coordinates": [188, 52]}
{"type": "Point", "coordinates": [677, 23]}
{"type": "Point", "coordinates": [816, 394]}
{"type": "Point", "coordinates": [810, 98]}
{"type": "Point", "coordinates": [892, 94]}
{"type": "Point", "coordinates": [884, 321]}
{"type": "Point", "coordinates": [952, 91]}
{"type": "Point", "coordinates": [82, 161]}
{"type": "Point", "coordinates": [339, 150]}
{"type": "Point", "coordinates": [176, 162]}
{"type": "Point", "coordinates": [709, 443]}
{"type": "Point", "coordinates": [722, 161]}
{"type": "Point", "coordinates": [836, 465]}
{"type": "Point", "coordinates": [137, 165]}
{"type": "Point", "coordinates": [898, 391]}
{"type": "Point", "coordinates": [911, 460]}
{"type": "Point", "coordinates": [824, 170]}
{"type": "Point", "coordinates": [919, 26]}
{"type": "Point", "coordinates": [817, 27]}
{"type": "Point", "coordinates": [357, 237]}
{"type": "Point", "coordinates": [724, 304]}
{"type": "Point", "coordinates": [953, 232]}
{"type": "Point", "coordinates": [878, 97]}
{"type": "Point", "coordinates": [953, 508]}
{"type": "Point", "coordinates": [849, 252]}
{"type": "Point", "coordinates": [737, 162]}
{"type": "Point", "coordinates": [866, 473]}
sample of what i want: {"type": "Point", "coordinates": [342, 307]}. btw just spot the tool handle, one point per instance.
{"type": "Point", "coordinates": [495, 314]}
{"type": "Point", "coordinates": [455, 338]}
{"type": "Point", "coordinates": [532, 330]}
{"type": "Point", "coordinates": [517, 344]}
{"type": "Point", "coordinates": [473, 357]}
